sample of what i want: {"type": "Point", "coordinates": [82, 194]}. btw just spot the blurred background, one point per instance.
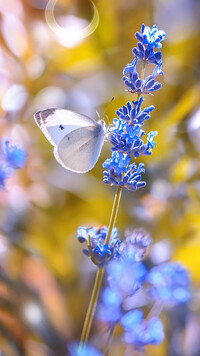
{"type": "Point", "coordinates": [72, 56]}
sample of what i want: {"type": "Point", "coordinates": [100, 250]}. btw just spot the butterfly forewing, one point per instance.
{"type": "Point", "coordinates": [80, 149]}
{"type": "Point", "coordinates": [56, 124]}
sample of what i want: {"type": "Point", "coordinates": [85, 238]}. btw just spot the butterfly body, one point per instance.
{"type": "Point", "coordinates": [77, 139]}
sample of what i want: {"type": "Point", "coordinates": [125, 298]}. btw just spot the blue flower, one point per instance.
{"type": "Point", "coordinates": [117, 162]}
{"type": "Point", "coordinates": [111, 298]}
{"type": "Point", "coordinates": [149, 38]}
{"type": "Point", "coordinates": [5, 172]}
{"type": "Point", "coordinates": [83, 233]}
{"type": "Point", "coordinates": [127, 138]}
{"type": "Point", "coordinates": [133, 81]}
{"type": "Point", "coordinates": [136, 85]}
{"type": "Point", "coordinates": [14, 156]}
{"type": "Point", "coordinates": [170, 283]}
{"type": "Point", "coordinates": [149, 84]}
{"type": "Point", "coordinates": [130, 67]}
{"type": "Point", "coordinates": [99, 252]}
{"type": "Point", "coordinates": [133, 114]}
{"type": "Point", "coordinates": [86, 350]}
{"type": "Point", "coordinates": [120, 172]}
{"type": "Point", "coordinates": [125, 275]}
{"type": "Point", "coordinates": [118, 126]}
{"type": "Point", "coordinates": [126, 133]}
{"type": "Point", "coordinates": [140, 332]}
{"type": "Point", "coordinates": [150, 142]}
{"type": "Point", "coordinates": [11, 157]}
{"type": "Point", "coordinates": [136, 245]}
{"type": "Point", "coordinates": [110, 309]}
{"type": "Point", "coordinates": [152, 37]}
{"type": "Point", "coordinates": [124, 278]}
{"type": "Point", "coordinates": [147, 55]}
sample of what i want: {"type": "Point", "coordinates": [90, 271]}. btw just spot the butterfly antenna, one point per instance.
{"type": "Point", "coordinates": [105, 110]}
{"type": "Point", "coordinates": [98, 115]}
{"type": "Point", "coordinates": [108, 105]}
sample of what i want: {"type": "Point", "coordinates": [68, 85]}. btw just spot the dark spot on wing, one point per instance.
{"type": "Point", "coordinates": [61, 127]}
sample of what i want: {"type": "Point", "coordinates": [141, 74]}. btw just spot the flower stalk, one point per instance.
{"type": "Point", "coordinates": [100, 273]}
{"type": "Point", "coordinates": [92, 306]}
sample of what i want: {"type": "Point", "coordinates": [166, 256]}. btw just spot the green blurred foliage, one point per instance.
{"type": "Point", "coordinates": [45, 281]}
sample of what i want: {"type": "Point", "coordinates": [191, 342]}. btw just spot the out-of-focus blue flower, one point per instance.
{"type": "Point", "coordinates": [170, 283]}
{"type": "Point", "coordinates": [83, 233]}
{"type": "Point", "coordinates": [86, 350]}
{"type": "Point", "coordinates": [110, 310]}
{"type": "Point", "coordinates": [133, 114]}
{"type": "Point", "coordinates": [97, 250]}
{"type": "Point", "coordinates": [135, 245]}
{"type": "Point", "coordinates": [140, 332]}
{"type": "Point", "coordinates": [152, 37]}
{"type": "Point", "coordinates": [111, 298]}
{"type": "Point", "coordinates": [14, 156]}
{"type": "Point", "coordinates": [5, 172]}
{"type": "Point", "coordinates": [120, 172]}
{"type": "Point", "coordinates": [126, 276]}
{"type": "Point", "coordinates": [11, 158]}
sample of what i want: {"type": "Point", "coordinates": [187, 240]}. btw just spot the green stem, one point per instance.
{"type": "Point", "coordinates": [92, 306]}
{"type": "Point", "coordinates": [99, 276]}
{"type": "Point", "coordinates": [114, 214]}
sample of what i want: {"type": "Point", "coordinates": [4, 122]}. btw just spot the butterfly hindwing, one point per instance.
{"type": "Point", "coordinates": [80, 149]}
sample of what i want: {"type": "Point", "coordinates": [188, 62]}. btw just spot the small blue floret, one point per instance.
{"type": "Point", "coordinates": [11, 158]}
{"type": "Point", "coordinates": [97, 250]}
{"type": "Point", "coordinates": [5, 172]}
{"type": "Point", "coordinates": [170, 283]}
{"type": "Point", "coordinates": [140, 332]}
{"type": "Point", "coordinates": [135, 245]}
{"type": "Point", "coordinates": [133, 114]}
{"type": "Point", "coordinates": [86, 350]}
{"type": "Point", "coordinates": [15, 157]}
{"type": "Point", "coordinates": [152, 37]}
{"type": "Point", "coordinates": [126, 276]}
{"type": "Point", "coordinates": [120, 172]}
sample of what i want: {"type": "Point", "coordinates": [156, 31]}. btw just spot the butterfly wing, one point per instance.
{"type": "Point", "coordinates": [77, 139]}
{"type": "Point", "coordinates": [80, 149]}
{"type": "Point", "coordinates": [56, 124]}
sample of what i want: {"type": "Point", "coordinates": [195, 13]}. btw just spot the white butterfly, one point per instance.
{"type": "Point", "coordinates": [77, 139]}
